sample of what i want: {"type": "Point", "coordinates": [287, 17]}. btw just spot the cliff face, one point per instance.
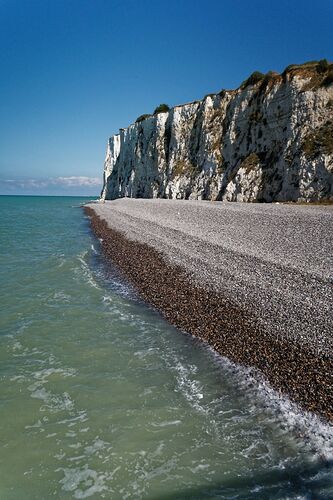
{"type": "Point", "coordinates": [266, 141]}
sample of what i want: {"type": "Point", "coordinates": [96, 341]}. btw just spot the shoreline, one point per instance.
{"type": "Point", "coordinates": [233, 327]}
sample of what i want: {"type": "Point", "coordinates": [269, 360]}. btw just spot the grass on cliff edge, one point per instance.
{"type": "Point", "coordinates": [321, 72]}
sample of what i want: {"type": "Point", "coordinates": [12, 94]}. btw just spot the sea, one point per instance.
{"type": "Point", "coordinates": [101, 398]}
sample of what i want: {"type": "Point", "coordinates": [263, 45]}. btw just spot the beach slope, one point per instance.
{"type": "Point", "coordinates": [253, 280]}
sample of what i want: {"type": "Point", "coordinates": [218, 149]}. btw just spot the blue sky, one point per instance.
{"type": "Point", "coordinates": [74, 71]}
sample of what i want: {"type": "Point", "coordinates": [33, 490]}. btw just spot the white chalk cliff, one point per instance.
{"type": "Point", "coordinates": [269, 140]}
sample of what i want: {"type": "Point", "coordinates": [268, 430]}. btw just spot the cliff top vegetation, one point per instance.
{"type": "Point", "coordinates": [162, 108]}
{"type": "Point", "coordinates": [320, 74]}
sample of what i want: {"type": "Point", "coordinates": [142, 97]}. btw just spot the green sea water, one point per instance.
{"type": "Point", "coordinates": [101, 398]}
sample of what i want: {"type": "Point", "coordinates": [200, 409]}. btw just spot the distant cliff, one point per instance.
{"type": "Point", "coordinates": [269, 140]}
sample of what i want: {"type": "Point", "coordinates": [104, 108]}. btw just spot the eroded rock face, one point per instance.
{"type": "Point", "coordinates": [271, 141]}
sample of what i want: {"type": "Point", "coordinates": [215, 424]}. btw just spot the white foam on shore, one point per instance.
{"type": "Point", "coordinates": [189, 387]}
{"type": "Point", "coordinates": [166, 423]}
{"type": "Point", "coordinates": [94, 249]}
{"type": "Point", "coordinates": [83, 482]}
{"type": "Point", "coordinates": [54, 402]}
{"type": "Point", "coordinates": [61, 296]}
{"type": "Point", "coordinates": [85, 271]}
{"type": "Point", "coordinates": [315, 434]}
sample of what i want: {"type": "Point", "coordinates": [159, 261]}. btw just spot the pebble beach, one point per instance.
{"type": "Point", "coordinates": [253, 280]}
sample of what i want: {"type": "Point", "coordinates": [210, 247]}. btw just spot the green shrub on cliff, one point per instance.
{"type": "Point", "coordinates": [307, 64]}
{"type": "Point", "coordinates": [141, 118]}
{"type": "Point", "coordinates": [329, 78]}
{"type": "Point", "coordinates": [319, 141]}
{"type": "Point", "coordinates": [268, 79]}
{"type": "Point", "coordinates": [250, 162]}
{"type": "Point", "coordinates": [186, 169]}
{"type": "Point", "coordinates": [322, 66]}
{"type": "Point", "coordinates": [162, 108]}
{"type": "Point", "coordinates": [254, 78]}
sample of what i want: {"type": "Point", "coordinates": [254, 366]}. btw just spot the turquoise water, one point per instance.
{"type": "Point", "coordinates": [101, 398]}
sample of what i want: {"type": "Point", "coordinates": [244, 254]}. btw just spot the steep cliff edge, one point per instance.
{"type": "Point", "coordinates": [269, 140]}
